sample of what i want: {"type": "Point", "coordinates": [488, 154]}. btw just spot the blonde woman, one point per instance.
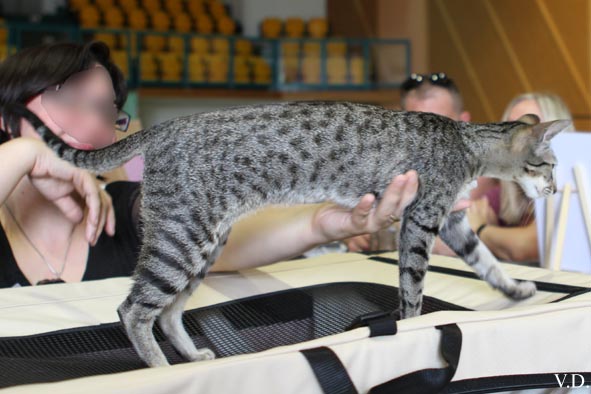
{"type": "Point", "coordinates": [503, 216]}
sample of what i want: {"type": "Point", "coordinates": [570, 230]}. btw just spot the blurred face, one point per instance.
{"type": "Point", "coordinates": [523, 108]}
{"type": "Point", "coordinates": [438, 101]}
{"type": "Point", "coordinates": [81, 111]}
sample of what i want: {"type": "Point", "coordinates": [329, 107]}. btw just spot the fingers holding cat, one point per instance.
{"type": "Point", "coordinates": [367, 218]}
{"type": "Point", "coordinates": [399, 193]}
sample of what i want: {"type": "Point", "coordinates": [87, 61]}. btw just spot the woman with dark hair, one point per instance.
{"type": "Point", "coordinates": [78, 92]}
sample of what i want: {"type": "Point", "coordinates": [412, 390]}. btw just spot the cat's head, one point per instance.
{"type": "Point", "coordinates": [532, 155]}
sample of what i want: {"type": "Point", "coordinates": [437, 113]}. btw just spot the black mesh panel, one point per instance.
{"type": "Point", "coordinates": [243, 326]}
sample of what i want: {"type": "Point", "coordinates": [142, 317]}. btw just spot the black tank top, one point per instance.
{"type": "Point", "coordinates": [110, 257]}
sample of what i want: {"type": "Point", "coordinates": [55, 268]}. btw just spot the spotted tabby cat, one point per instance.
{"type": "Point", "coordinates": [205, 171]}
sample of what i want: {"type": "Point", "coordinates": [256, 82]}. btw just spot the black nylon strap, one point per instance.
{"type": "Point", "coordinates": [542, 286]}
{"type": "Point", "coordinates": [329, 371]}
{"type": "Point", "coordinates": [433, 380]}
{"type": "Point", "coordinates": [379, 323]}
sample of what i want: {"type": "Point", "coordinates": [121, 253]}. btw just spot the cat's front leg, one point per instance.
{"type": "Point", "coordinates": [458, 235]}
{"type": "Point", "coordinates": [418, 231]}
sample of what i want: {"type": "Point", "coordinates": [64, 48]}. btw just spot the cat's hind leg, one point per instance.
{"type": "Point", "coordinates": [458, 235]}
{"type": "Point", "coordinates": [153, 290]}
{"type": "Point", "coordinates": [165, 269]}
{"type": "Point", "coordinates": [171, 324]}
{"type": "Point", "coordinates": [171, 319]}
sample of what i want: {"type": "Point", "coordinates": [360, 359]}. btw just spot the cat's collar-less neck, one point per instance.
{"type": "Point", "coordinates": [483, 141]}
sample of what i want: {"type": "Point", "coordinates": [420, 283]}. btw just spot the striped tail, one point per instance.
{"type": "Point", "coordinates": [99, 160]}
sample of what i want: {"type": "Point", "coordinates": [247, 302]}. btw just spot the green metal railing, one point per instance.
{"type": "Point", "coordinates": [385, 63]}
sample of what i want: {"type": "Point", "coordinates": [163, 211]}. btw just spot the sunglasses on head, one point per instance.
{"type": "Point", "coordinates": [437, 79]}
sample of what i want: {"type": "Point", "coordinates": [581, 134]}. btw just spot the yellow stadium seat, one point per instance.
{"type": "Point", "coordinates": [176, 44]}
{"type": "Point", "coordinates": [137, 19]}
{"type": "Point", "coordinates": [290, 48]}
{"type": "Point", "coordinates": [196, 8]}
{"type": "Point", "coordinates": [336, 70]}
{"type": "Point", "coordinates": [291, 69]}
{"type": "Point", "coordinates": [199, 45]}
{"type": "Point", "coordinates": [3, 51]}
{"type": "Point", "coordinates": [121, 60]}
{"type": "Point", "coordinates": [160, 21]}
{"type": "Point", "coordinates": [148, 67]}
{"type": "Point", "coordinates": [107, 38]}
{"type": "Point", "coordinates": [220, 46]}
{"type": "Point", "coordinates": [336, 48]}
{"type": "Point", "coordinates": [271, 27]}
{"type": "Point", "coordinates": [77, 5]}
{"type": "Point", "coordinates": [226, 26]}
{"type": "Point", "coordinates": [217, 9]}
{"type": "Point", "coordinates": [104, 5]}
{"type": "Point", "coordinates": [217, 68]}
{"type": "Point", "coordinates": [154, 43]}
{"type": "Point", "coordinates": [196, 71]}
{"type": "Point", "coordinates": [243, 47]}
{"type": "Point", "coordinates": [89, 16]}
{"type": "Point", "coordinates": [317, 27]}
{"type": "Point", "coordinates": [128, 5]}
{"type": "Point", "coordinates": [312, 48]}
{"type": "Point", "coordinates": [311, 69]}
{"type": "Point", "coordinates": [242, 70]}
{"type": "Point", "coordinates": [182, 23]}
{"type": "Point", "coordinates": [170, 66]}
{"type": "Point", "coordinates": [196, 60]}
{"type": "Point", "coordinates": [151, 5]}
{"type": "Point", "coordinates": [356, 65]}
{"type": "Point", "coordinates": [294, 27]}
{"type": "Point", "coordinates": [262, 71]}
{"type": "Point", "coordinates": [174, 7]}
{"type": "Point", "coordinates": [123, 41]}
{"type": "Point", "coordinates": [204, 24]}
{"type": "Point", "coordinates": [113, 17]}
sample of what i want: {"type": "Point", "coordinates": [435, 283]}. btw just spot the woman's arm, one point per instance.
{"type": "Point", "coordinates": [18, 158]}
{"type": "Point", "coordinates": [57, 181]}
{"type": "Point", "coordinates": [281, 233]}
{"type": "Point", "coordinates": [519, 244]}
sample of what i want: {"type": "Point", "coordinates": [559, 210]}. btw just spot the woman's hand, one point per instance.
{"type": "Point", "coordinates": [335, 223]}
{"type": "Point", "coordinates": [69, 188]}
{"type": "Point", "coordinates": [397, 196]}
{"type": "Point", "coordinates": [480, 212]}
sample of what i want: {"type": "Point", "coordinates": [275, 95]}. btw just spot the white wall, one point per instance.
{"type": "Point", "coordinates": [251, 12]}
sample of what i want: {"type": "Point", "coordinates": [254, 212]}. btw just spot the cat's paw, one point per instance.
{"type": "Point", "coordinates": [522, 290]}
{"type": "Point", "coordinates": [203, 354]}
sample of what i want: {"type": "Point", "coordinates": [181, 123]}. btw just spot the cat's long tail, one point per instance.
{"type": "Point", "coordinates": [99, 160]}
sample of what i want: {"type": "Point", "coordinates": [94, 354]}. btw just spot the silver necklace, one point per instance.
{"type": "Point", "coordinates": [57, 274]}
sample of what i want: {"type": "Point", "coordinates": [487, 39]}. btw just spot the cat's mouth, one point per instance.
{"type": "Point", "coordinates": [530, 189]}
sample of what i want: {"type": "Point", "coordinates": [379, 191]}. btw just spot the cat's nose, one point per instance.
{"type": "Point", "coordinates": [554, 188]}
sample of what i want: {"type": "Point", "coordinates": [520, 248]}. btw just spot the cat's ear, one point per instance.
{"type": "Point", "coordinates": [530, 119]}
{"type": "Point", "coordinates": [547, 130]}
{"type": "Point", "coordinates": [542, 133]}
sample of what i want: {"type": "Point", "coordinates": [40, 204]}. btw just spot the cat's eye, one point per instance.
{"type": "Point", "coordinates": [529, 172]}
{"type": "Point", "coordinates": [540, 164]}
